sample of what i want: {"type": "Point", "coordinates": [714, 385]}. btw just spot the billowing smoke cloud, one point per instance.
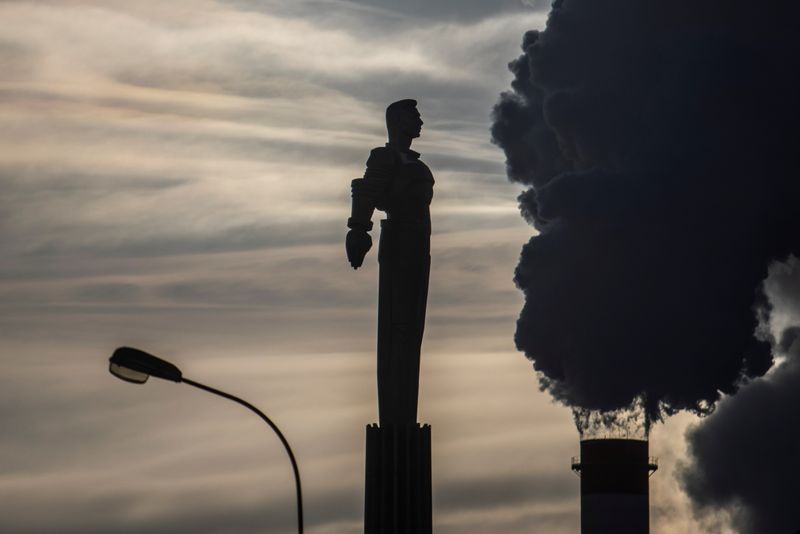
{"type": "Point", "coordinates": [659, 140]}
{"type": "Point", "coordinates": [744, 457]}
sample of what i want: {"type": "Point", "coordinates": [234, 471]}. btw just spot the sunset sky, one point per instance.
{"type": "Point", "coordinates": [175, 177]}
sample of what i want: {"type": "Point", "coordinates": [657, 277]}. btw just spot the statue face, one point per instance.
{"type": "Point", "coordinates": [410, 123]}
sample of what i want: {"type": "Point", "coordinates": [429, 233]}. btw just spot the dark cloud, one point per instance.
{"type": "Point", "coordinates": [117, 514]}
{"type": "Point", "coordinates": [16, 59]}
{"type": "Point", "coordinates": [418, 11]}
{"type": "Point", "coordinates": [235, 239]}
{"type": "Point", "coordinates": [454, 10]}
{"type": "Point", "coordinates": [305, 291]}
{"type": "Point", "coordinates": [659, 140]}
{"type": "Point", "coordinates": [744, 457]}
{"type": "Point", "coordinates": [486, 492]}
{"type": "Point", "coordinates": [37, 182]}
{"type": "Point", "coordinates": [108, 292]}
{"type": "Point", "coordinates": [538, 4]}
{"type": "Point", "coordinates": [439, 97]}
{"type": "Point", "coordinates": [239, 238]}
{"type": "Point", "coordinates": [464, 164]}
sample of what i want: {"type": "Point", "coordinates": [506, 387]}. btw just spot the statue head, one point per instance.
{"type": "Point", "coordinates": [403, 119]}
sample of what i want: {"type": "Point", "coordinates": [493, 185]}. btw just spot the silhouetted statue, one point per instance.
{"type": "Point", "coordinates": [398, 459]}
{"type": "Point", "coordinates": [399, 183]}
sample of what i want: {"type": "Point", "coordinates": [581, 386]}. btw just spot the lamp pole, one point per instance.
{"type": "Point", "coordinates": [274, 427]}
{"type": "Point", "coordinates": [134, 365]}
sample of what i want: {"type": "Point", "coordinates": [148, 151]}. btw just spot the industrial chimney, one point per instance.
{"type": "Point", "coordinates": [615, 492]}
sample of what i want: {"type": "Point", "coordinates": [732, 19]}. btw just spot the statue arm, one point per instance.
{"type": "Point", "coordinates": [369, 193]}
{"type": "Point", "coordinates": [363, 206]}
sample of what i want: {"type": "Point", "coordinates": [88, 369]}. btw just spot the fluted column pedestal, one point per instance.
{"type": "Point", "coordinates": [398, 480]}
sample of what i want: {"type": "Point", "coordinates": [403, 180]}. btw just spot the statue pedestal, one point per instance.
{"type": "Point", "coordinates": [398, 485]}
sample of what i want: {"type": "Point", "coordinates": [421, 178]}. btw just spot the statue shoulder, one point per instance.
{"type": "Point", "coordinates": [381, 156]}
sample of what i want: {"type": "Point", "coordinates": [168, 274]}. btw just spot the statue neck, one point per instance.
{"type": "Point", "coordinates": [401, 142]}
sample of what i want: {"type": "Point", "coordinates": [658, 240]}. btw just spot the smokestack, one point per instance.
{"type": "Point", "coordinates": [615, 489]}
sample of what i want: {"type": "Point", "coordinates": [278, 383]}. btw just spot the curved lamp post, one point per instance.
{"type": "Point", "coordinates": [136, 366]}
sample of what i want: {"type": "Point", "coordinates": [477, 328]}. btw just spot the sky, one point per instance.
{"type": "Point", "coordinates": [175, 177]}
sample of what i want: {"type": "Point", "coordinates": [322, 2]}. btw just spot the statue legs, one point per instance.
{"type": "Point", "coordinates": [404, 258]}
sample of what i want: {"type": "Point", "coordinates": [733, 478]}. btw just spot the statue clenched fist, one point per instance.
{"type": "Point", "coordinates": [357, 244]}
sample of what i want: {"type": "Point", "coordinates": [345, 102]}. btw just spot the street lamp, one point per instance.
{"type": "Point", "coordinates": [136, 366]}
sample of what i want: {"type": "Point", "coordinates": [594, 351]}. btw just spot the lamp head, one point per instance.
{"type": "Point", "coordinates": [134, 365]}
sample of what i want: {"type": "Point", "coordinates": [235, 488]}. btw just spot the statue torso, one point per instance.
{"type": "Point", "coordinates": [409, 188]}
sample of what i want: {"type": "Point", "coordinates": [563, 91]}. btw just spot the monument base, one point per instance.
{"type": "Point", "coordinates": [398, 485]}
